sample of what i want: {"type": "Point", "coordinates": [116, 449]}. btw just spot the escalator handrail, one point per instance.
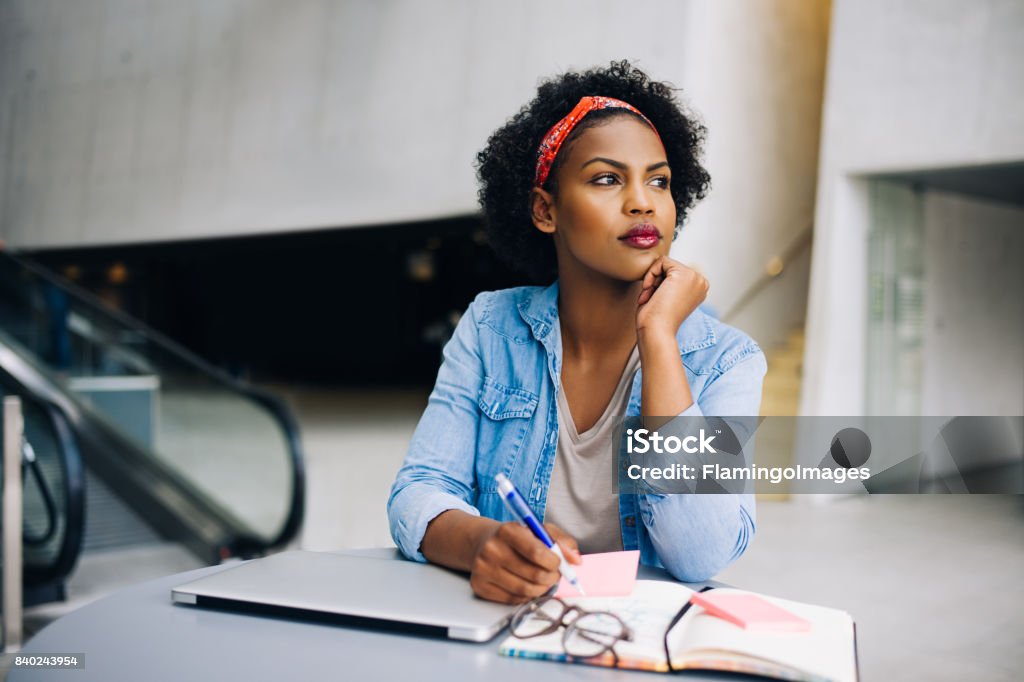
{"type": "Point", "coordinates": [74, 494]}
{"type": "Point", "coordinates": [74, 498]}
{"type": "Point", "coordinates": [272, 403]}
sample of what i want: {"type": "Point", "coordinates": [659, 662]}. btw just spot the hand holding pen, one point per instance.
{"type": "Point", "coordinates": [521, 510]}
{"type": "Point", "coordinates": [512, 565]}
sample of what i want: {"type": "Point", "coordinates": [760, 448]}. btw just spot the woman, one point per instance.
{"type": "Point", "coordinates": [587, 183]}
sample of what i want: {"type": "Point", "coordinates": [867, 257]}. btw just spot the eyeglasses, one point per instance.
{"type": "Point", "coordinates": [587, 633]}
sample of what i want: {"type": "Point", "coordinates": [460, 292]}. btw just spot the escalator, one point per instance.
{"type": "Point", "coordinates": [115, 409]}
{"type": "Point", "coordinates": [53, 497]}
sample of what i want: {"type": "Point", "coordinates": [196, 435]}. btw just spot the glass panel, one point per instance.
{"type": "Point", "coordinates": [896, 299]}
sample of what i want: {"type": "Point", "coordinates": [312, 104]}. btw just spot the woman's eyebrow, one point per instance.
{"type": "Point", "coordinates": [620, 165]}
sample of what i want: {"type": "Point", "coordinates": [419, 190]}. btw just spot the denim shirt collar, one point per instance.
{"type": "Point", "coordinates": [540, 312]}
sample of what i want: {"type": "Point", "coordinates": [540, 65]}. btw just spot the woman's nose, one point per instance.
{"type": "Point", "coordinates": [638, 200]}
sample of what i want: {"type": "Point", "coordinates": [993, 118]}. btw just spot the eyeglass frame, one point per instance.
{"type": "Point", "coordinates": [536, 602]}
{"type": "Point", "coordinates": [534, 606]}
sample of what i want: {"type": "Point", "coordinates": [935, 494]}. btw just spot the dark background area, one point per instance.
{"type": "Point", "coordinates": [353, 306]}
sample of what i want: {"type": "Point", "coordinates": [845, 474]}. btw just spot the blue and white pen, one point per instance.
{"type": "Point", "coordinates": [517, 505]}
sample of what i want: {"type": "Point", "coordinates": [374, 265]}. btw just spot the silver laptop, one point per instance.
{"type": "Point", "coordinates": [350, 589]}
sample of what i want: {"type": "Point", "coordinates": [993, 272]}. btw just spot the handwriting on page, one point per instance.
{"type": "Point", "coordinates": [610, 574]}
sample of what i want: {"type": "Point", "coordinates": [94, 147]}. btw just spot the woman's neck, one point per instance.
{"type": "Point", "coordinates": [597, 314]}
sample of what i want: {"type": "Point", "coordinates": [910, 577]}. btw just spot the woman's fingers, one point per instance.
{"type": "Point", "coordinates": [653, 278]}
{"type": "Point", "coordinates": [654, 272]}
{"type": "Point", "coordinates": [513, 566]}
{"type": "Point", "coordinates": [527, 546]}
{"type": "Point", "coordinates": [570, 548]}
{"type": "Point", "coordinates": [527, 571]}
{"type": "Point", "coordinates": [519, 587]}
{"type": "Point", "coordinates": [492, 591]}
{"type": "Point", "coordinates": [676, 291]}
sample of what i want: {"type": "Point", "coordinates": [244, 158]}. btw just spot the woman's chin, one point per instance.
{"type": "Point", "coordinates": [630, 275]}
{"type": "Point", "coordinates": [626, 270]}
{"type": "Point", "coordinates": [639, 266]}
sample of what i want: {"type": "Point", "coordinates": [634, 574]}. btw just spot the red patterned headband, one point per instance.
{"type": "Point", "coordinates": [554, 138]}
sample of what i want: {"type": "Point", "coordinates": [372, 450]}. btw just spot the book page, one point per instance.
{"type": "Point", "coordinates": [647, 612]}
{"type": "Point", "coordinates": [826, 652]}
{"type": "Point", "coordinates": [703, 641]}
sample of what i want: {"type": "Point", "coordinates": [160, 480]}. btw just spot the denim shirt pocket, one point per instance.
{"type": "Point", "coordinates": [508, 412]}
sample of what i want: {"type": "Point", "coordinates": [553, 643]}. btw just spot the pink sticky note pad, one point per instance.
{"type": "Point", "coordinates": [750, 611]}
{"type": "Point", "coordinates": [610, 574]}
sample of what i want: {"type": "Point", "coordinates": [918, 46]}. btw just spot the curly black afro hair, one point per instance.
{"type": "Point", "coordinates": [505, 167]}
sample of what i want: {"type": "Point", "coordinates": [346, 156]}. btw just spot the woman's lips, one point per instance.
{"type": "Point", "coordinates": [643, 236]}
{"type": "Point", "coordinates": [641, 241]}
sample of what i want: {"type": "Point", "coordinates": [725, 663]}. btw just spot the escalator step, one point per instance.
{"type": "Point", "coordinates": [109, 523]}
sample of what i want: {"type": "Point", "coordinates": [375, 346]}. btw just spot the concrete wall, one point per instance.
{"type": "Point", "coordinates": [756, 72]}
{"type": "Point", "coordinates": [911, 85]}
{"type": "Point", "coordinates": [126, 122]}
{"type": "Point", "coordinates": [973, 360]}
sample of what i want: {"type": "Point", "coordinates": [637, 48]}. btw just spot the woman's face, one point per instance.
{"type": "Point", "coordinates": [614, 214]}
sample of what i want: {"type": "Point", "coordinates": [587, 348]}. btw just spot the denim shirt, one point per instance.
{"type": "Point", "coordinates": [494, 410]}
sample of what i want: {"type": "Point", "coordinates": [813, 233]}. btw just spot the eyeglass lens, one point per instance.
{"type": "Point", "coordinates": [587, 634]}
{"type": "Point", "coordinates": [592, 634]}
{"type": "Point", "coordinates": [538, 618]}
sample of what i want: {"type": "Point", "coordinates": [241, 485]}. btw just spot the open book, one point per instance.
{"type": "Point", "coordinates": [700, 641]}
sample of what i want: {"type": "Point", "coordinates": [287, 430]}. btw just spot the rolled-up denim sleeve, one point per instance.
{"type": "Point", "coordinates": [697, 535]}
{"type": "Point", "coordinates": [438, 472]}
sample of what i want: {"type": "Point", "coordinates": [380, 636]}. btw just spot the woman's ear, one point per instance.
{"type": "Point", "coordinates": [542, 210]}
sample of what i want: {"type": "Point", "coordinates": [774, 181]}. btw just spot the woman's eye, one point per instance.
{"type": "Point", "coordinates": [605, 179]}
{"type": "Point", "coordinates": [662, 181]}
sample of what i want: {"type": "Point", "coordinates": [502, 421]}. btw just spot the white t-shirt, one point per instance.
{"type": "Point", "coordinates": [581, 500]}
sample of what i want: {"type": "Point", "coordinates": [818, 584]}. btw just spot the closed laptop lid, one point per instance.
{"type": "Point", "coordinates": [379, 589]}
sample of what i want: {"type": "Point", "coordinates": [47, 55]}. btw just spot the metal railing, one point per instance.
{"type": "Point", "coordinates": [773, 269]}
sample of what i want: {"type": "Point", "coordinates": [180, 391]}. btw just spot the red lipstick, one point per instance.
{"type": "Point", "coordinates": [642, 236]}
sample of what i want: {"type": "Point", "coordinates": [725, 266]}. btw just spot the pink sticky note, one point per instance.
{"type": "Point", "coordinates": [611, 574]}
{"type": "Point", "coordinates": [750, 611]}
